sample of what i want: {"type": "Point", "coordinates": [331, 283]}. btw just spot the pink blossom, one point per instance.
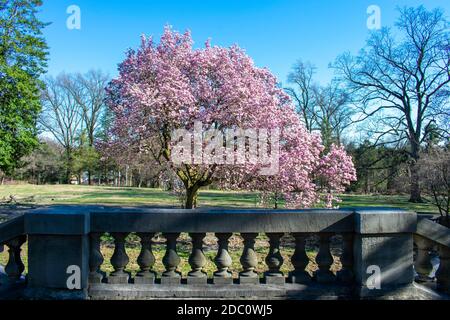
{"type": "Point", "coordinates": [170, 85]}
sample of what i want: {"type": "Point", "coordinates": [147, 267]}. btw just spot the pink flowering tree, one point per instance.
{"type": "Point", "coordinates": [167, 86]}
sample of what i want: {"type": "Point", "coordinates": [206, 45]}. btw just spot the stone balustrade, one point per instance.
{"type": "Point", "coordinates": [370, 240]}
{"type": "Point", "coordinates": [432, 239]}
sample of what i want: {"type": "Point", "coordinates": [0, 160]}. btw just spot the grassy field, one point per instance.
{"type": "Point", "coordinates": [62, 194]}
{"type": "Point", "coordinates": [44, 195]}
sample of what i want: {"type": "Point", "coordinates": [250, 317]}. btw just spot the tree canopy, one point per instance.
{"type": "Point", "coordinates": [168, 85]}
{"type": "Point", "coordinates": [23, 54]}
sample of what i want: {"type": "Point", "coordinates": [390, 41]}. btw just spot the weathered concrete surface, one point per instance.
{"type": "Point", "coordinates": [50, 256]}
{"type": "Point", "coordinates": [248, 291]}
{"type": "Point", "coordinates": [433, 231]}
{"type": "Point", "coordinates": [57, 240]}
{"type": "Point", "coordinates": [393, 255]}
{"type": "Point", "coordinates": [384, 220]}
{"type": "Point", "coordinates": [383, 241]}
{"type": "Point", "coordinates": [312, 291]}
{"type": "Point", "coordinates": [220, 221]}
{"type": "Point", "coordinates": [54, 294]}
{"type": "Point", "coordinates": [58, 221]}
{"type": "Point", "coordinates": [11, 228]}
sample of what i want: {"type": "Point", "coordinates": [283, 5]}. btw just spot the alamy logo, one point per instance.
{"type": "Point", "coordinates": [228, 147]}
{"type": "Point", "coordinates": [74, 280]}
{"type": "Point", "coordinates": [374, 19]}
{"type": "Point", "coordinates": [73, 22]}
{"type": "Point", "coordinates": [374, 281]}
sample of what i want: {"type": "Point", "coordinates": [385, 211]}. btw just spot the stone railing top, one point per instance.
{"type": "Point", "coordinates": [11, 228]}
{"type": "Point", "coordinates": [434, 232]}
{"type": "Point", "coordinates": [384, 220]}
{"type": "Point", "coordinates": [73, 220]}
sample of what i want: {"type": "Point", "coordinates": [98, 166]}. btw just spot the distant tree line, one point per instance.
{"type": "Point", "coordinates": [389, 105]}
{"type": "Point", "coordinates": [73, 123]}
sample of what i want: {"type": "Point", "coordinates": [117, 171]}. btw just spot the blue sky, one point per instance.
{"type": "Point", "coordinates": [274, 33]}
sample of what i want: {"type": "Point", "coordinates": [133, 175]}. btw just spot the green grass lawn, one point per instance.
{"type": "Point", "coordinates": [63, 194]}
{"type": "Point", "coordinates": [67, 194]}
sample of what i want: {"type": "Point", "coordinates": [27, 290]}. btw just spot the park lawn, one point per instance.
{"type": "Point", "coordinates": [71, 194]}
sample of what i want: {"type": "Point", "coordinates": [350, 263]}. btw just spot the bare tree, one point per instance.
{"type": "Point", "coordinates": [334, 113]}
{"type": "Point", "coordinates": [435, 178]}
{"type": "Point", "coordinates": [405, 81]}
{"type": "Point", "coordinates": [88, 91]}
{"type": "Point", "coordinates": [61, 117]}
{"type": "Point", "coordinates": [302, 93]}
{"type": "Point", "coordinates": [323, 109]}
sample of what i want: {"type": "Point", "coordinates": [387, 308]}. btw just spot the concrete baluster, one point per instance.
{"type": "Point", "coordinates": [197, 260]}
{"type": "Point", "coordinates": [95, 258]}
{"type": "Point", "coordinates": [146, 260]}
{"type": "Point", "coordinates": [119, 260]}
{"type": "Point", "coordinates": [171, 260]}
{"type": "Point", "coordinates": [223, 260]}
{"type": "Point", "coordinates": [324, 261]}
{"type": "Point", "coordinates": [300, 261]}
{"type": "Point", "coordinates": [274, 261]}
{"type": "Point", "coordinates": [249, 260]}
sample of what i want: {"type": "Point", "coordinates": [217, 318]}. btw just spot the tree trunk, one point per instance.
{"type": "Point", "coordinates": [89, 178]}
{"type": "Point", "coordinates": [366, 183]}
{"type": "Point", "coordinates": [391, 179]}
{"type": "Point", "coordinates": [276, 201]}
{"type": "Point", "coordinates": [415, 193]}
{"type": "Point", "coordinates": [2, 180]}
{"type": "Point", "coordinates": [191, 198]}
{"type": "Point", "coordinates": [69, 166]}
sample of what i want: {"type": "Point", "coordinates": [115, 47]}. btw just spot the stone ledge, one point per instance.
{"type": "Point", "coordinates": [57, 221]}
{"type": "Point", "coordinates": [248, 292]}
{"type": "Point", "coordinates": [434, 231]}
{"type": "Point", "coordinates": [254, 292]}
{"type": "Point", "coordinates": [288, 291]}
{"type": "Point", "coordinates": [384, 221]}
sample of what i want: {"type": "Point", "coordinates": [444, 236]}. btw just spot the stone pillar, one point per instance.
{"type": "Point", "coordinates": [95, 259]}
{"type": "Point", "coordinates": [119, 260]}
{"type": "Point", "coordinates": [324, 260]}
{"type": "Point", "coordinates": [197, 260]}
{"type": "Point", "coordinates": [146, 260]}
{"type": "Point", "coordinates": [443, 273]}
{"type": "Point", "coordinates": [58, 253]}
{"type": "Point", "coordinates": [274, 261]}
{"type": "Point", "coordinates": [249, 260]}
{"type": "Point", "coordinates": [300, 261]}
{"type": "Point", "coordinates": [14, 268]}
{"type": "Point", "coordinates": [383, 251]}
{"type": "Point", "coordinates": [422, 264]}
{"type": "Point", "coordinates": [345, 275]}
{"type": "Point", "coordinates": [223, 260]}
{"type": "Point", "coordinates": [171, 260]}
